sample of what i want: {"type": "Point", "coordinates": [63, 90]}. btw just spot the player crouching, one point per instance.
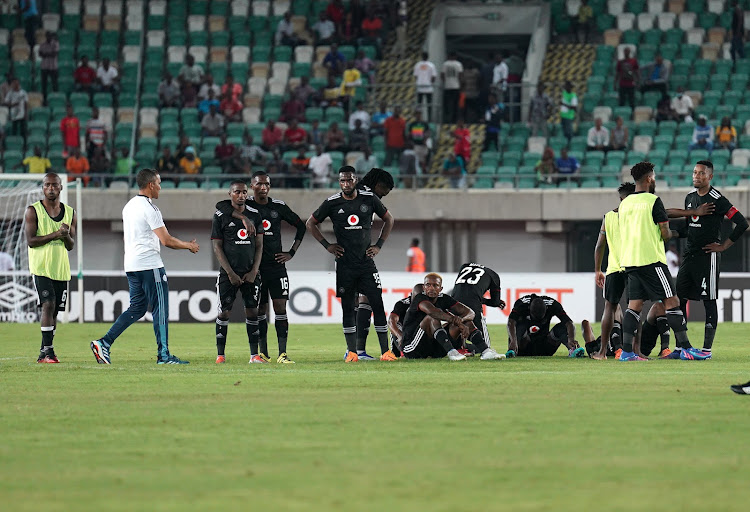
{"type": "Point", "coordinates": [529, 332]}
{"type": "Point", "coordinates": [424, 334]}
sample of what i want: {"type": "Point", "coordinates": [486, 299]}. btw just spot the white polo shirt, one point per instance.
{"type": "Point", "coordinates": [140, 217]}
{"type": "Point", "coordinates": [425, 71]}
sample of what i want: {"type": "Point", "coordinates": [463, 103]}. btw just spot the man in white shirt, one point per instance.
{"type": "Point", "coordinates": [452, 75]}
{"type": "Point", "coordinates": [598, 137]}
{"type": "Point", "coordinates": [107, 76]}
{"type": "Point", "coordinates": [682, 104]}
{"type": "Point", "coordinates": [324, 30]}
{"type": "Point", "coordinates": [285, 32]}
{"type": "Point", "coordinates": [143, 228]}
{"type": "Point", "coordinates": [360, 114]}
{"type": "Point", "coordinates": [209, 85]}
{"type": "Point", "coordinates": [320, 165]}
{"type": "Point", "coordinates": [425, 74]}
{"type": "Point", "coordinates": [17, 100]}
{"type": "Point", "coordinates": [500, 77]}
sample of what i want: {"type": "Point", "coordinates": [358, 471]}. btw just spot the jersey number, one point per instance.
{"type": "Point", "coordinates": [284, 283]}
{"type": "Point", "coordinates": [376, 277]}
{"type": "Point", "coordinates": [463, 277]}
{"type": "Point", "coordinates": [703, 284]}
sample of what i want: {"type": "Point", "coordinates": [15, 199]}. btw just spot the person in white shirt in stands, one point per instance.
{"type": "Point", "coordinates": [143, 228]}
{"type": "Point", "coordinates": [598, 137]}
{"type": "Point", "coordinates": [366, 162]}
{"type": "Point", "coordinates": [452, 76]}
{"type": "Point", "coordinates": [682, 104]}
{"type": "Point", "coordinates": [107, 77]}
{"type": "Point", "coordinates": [360, 114]}
{"type": "Point", "coordinates": [500, 77]}
{"type": "Point", "coordinates": [324, 30]}
{"type": "Point", "coordinates": [320, 165]}
{"type": "Point", "coordinates": [673, 259]}
{"type": "Point", "coordinates": [425, 74]}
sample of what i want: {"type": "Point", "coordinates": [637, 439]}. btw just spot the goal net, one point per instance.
{"type": "Point", "coordinates": [18, 300]}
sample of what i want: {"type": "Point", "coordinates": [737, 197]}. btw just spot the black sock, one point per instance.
{"type": "Point", "coordinates": [364, 313]}
{"type": "Point", "coordinates": [683, 307]}
{"type": "Point", "coordinates": [615, 336]}
{"type": "Point", "coordinates": [253, 333]}
{"type": "Point", "coordinates": [282, 331]}
{"type": "Point", "coordinates": [441, 336]}
{"type": "Point", "coordinates": [262, 330]}
{"type": "Point", "coordinates": [350, 334]}
{"type": "Point", "coordinates": [649, 334]}
{"type": "Point", "coordinates": [677, 323]}
{"type": "Point", "coordinates": [629, 329]}
{"type": "Point", "coordinates": [221, 335]}
{"type": "Point", "coordinates": [47, 337]}
{"type": "Point", "coordinates": [382, 332]}
{"type": "Point", "coordinates": [712, 318]}
{"type": "Point", "coordinates": [477, 339]}
{"type": "Point", "coordinates": [663, 326]}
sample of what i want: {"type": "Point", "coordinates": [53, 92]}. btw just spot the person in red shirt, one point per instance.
{"type": "Point", "coordinates": [371, 30]}
{"type": "Point", "coordinates": [70, 128]}
{"type": "Point", "coordinates": [295, 137]}
{"type": "Point", "coordinates": [85, 76]}
{"type": "Point", "coordinates": [395, 138]}
{"type": "Point", "coordinates": [271, 136]}
{"type": "Point", "coordinates": [293, 109]}
{"type": "Point", "coordinates": [231, 108]}
{"type": "Point", "coordinates": [627, 76]}
{"type": "Point", "coordinates": [233, 88]}
{"type": "Point", "coordinates": [335, 12]}
{"type": "Point", "coordinates": [462, 147]}
{"type": "Point", "coordinates": [224, 153]}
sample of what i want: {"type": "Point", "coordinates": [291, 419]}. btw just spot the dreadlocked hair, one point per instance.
{"type": "Point", "coordinates": [375, 176]}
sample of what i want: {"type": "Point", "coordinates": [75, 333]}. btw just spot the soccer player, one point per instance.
{"type": "Point", "coordinates": [396, 319]}
{"type": "Point", "coordinates": [424, 335]}
{"type": "Point", "coordinates": [645, 225]}
{"type": "Point", "coordinates": [50, 235]}
{"type": "Point", "coordinates": [351, 214]}
{"type": "Point", "coordinates": [615, 281]}
{"type": "Point", "coordinates": [595, 347]}
{"type": "Point", "coordinates": [472, 282]}
{"type": "Point", "coordinates": [143, 228]}
{"type": "Point", "coordinates": [529, 332]}
{"type": "Point", "coordinates": [239, 255]}
{"type": "Point", "coordinates": [274, 278]}
{"type": "Point", "coordinates": [698, 277]}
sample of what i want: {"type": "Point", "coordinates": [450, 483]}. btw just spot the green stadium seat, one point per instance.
{"type": "Point", "coordinates": [486, 170]}
{"type": "Point", "coordinates": [712, 98]}
{"type": "Point", "coordinates": [707, 20]}
{"type": "Point", "coordinates": [678, 156]}
{"type": "Point", "coordinates": [724, 111]}
{"type": "Point", "coordinates": [699, 154]}
{"type": "Point", "coordinates": [261, 53]}
{"type": "Point", "coordinates": [674, 36]}
{"type": "Point", "coordinates": [590, 183]}
{"type": "Point", "coordinates": [512, 158]}
{"type": "Point", "coordinates": [718, 82]}
{"type": "Point", "coordinates": [690, 51]}
{"type": "Point", "coordinates": [335, 114]}
{"type": "Point", "coordinates": [527, 183]}
{"type": "Point", "coordinates": [282, 54]}
{"type": "Point", "coordinates": [646, 128]}
{"type": "Point", "coordinates": [507, 170]}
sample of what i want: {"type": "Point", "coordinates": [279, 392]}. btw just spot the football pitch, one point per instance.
{"type": "Point", "coordinates": [524, 434]}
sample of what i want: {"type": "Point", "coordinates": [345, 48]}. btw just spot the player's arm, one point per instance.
{"type": "Point", "coordinates": [388, 221]}
{"type": "Point", "coordinates": [512, 339]}
{"type": "Point", "coordinates": [222, 259]}
{"type": "Point", "coordinates": [601, 244]}
{"type": "Point", "coordinates": [430, 310]}
{"type": "Point", "coordinates": [740, 226]}
{"type": "Point", "coordinates": [463, 312]}
{"type": "Point", "coordinates": [250, 276]}
{"type": "Point", "coordinates": [569, 325]}
{"type": "Point", "coordinates": [495, 300]}
{"type": "Point", "coordinates": [32, 239]}
{"type": "Point", "coordinates": [226, 208]}
{"type": "Point", "coordinates": [393, 319]}
{"type": "Point", "coordinates": [175, 243]}
{"type": "Point", "coordinates": [293, 220]}
{"type": "Point", "coordinates": [312, 226]}
{"type": "Point", "coordinates": [661, 219]}
{"type": "Point", "coordinates": [69, 233]}
{"type": "Point", "coordinates": [704, 209]}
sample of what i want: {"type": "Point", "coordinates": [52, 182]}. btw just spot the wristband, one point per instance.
{"type": "Point", "coordinates": [325, 243]}
{"type": "Point", "coordinates": [379, 243]}
{"type": "Point", "coordinates": [292, 252]}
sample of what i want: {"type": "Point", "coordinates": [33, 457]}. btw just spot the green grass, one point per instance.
{"type": "Point", "coordinates": [524, 434]}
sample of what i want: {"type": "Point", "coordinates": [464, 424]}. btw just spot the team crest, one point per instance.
{"type": "Point", "coordinates": [242, 234]}
{"type": "Point", "coordinates": [363, 208]}
{"type": "Point", "coordinates": [353, 220]}
{"type": "Point", "coordinates": [274, 214]}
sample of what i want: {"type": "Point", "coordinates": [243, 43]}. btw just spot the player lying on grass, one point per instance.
{"type": "Point", "coordinates": [593, 345]}
{"type": "Point", "coordinates": [425, 336]}
{"type": "Point", "coordinates": [529, 332]}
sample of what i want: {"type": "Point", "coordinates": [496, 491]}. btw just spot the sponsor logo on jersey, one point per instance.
{"type": "Point", "coordinates": [266, 224]}
{"type": "Point", "coordinates": [353, 221]}
{"type": "Point", "coordinates": [242, 234]}
{"type": "Point", "coordinates": [534, 329]}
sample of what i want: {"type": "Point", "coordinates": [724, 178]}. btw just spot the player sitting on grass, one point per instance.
{"type": "Point", "coordinates": [529, 331]}
{"type": "Point", "coordinates": [396, 320]}
{"type": "Point", "coordinates": [425, 336]}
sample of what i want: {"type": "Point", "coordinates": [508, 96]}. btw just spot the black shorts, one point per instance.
{"type": "Point", "coordinates": [49, 290]}
{"type": "Point", "coordinates": [596, 345]}
{"type": "Point", "coordinates": [545, 346]}
{"type": "Point", "coordinates": [614, 286]}
{"type": "Point", "coordinates": [650, 282]}
{"type": "Point", "coordinates": [422, 346]}
{"type": "Point", "coordinates": [698, 278]}
{"type": "Point", "coordinates": [275, 283]}
{"type": "Point", "coordinates": [363, 279]}
{"type": "Point", "coordinates": [228, 293]}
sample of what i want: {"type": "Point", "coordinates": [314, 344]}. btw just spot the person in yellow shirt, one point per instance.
{"type": "Point", "coordinates": [37, 164]}
{"type": "Point", "coordinates": [190, 163]}
{"type": "Point", "coordinates": [349, 82]}
{"type": "Point", "coordinates": [583, 21]}
{"type": "Point", "coordinates": [726, 135]}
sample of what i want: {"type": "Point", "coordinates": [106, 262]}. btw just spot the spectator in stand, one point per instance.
{"type": "Point", "coordinates": [125, 164]}
{"type": "Point", "coordinates": [208, 86]}
{"type": "Point", "coordinates": [462, 146]}
{"type": "Point", "coordinates": [335, 140]}
{"type": "Point", "coordinates": [486, 75]}
{"type": "Point", "coordinates": [190, 163]}
{"type": "Point", "coordinates": [96, 133]}
{"type": "Point", "coordinates": [627, 76]}
{"type": "Point", "coordinates": [335, 12]}
{"type": "Point", "coordinates": [568, 107]}
{"type": "Point", "coordinates": [169, 91]}
{"type": "Point", "coordinates": [500, 77]}
{"type": "Point", "coordinates": [31, 20]}
{"type": "Point", "coordinates": [189, 95]}
{"type": "Point", "coordinates": [320, 165]}
{"type": "Point", "coordinates": [334, 61]}
{"type": "Point", "coordinates": [224, 152]}
{"type": "Point", "coordinates": [656, 76]}
{"type": "Point", "coordinates": [100, 164]}
{"type": "Point", "coordinates": [167, 163]}
{"type": "Point", "coordinates": [107, 78]}
{"type": "Point", "coordinates": [471, 92]}
{"type": "Point", "coordinates": [84, 76]}
{"type": "Point", "coordinates": [204, 107]}
{"type": "Point", "coordinates": [305, 92]}
{"type": "Point", "coordinates": [377, 126]}
{"type": "Point", "coordinates": [620, 136]}
{"type": "Point", "coordinates": [182, 146]}
{"type": "Point", "coordinates": [546, 167]}
{"type": "Point", "coordinates": [295, 137]}
{"type": "Point", "coordinates": [395, 139]}
{"type": "Point", "coordinates": [316, 135]}
{"type": "Point", "coordinates": [17, 101]}
{"type": "Point", "coordinates": [420, 136]}
{"type": "Point", "coordinates": [48, 51]}
{"type": "Point", "coordinates": [372, 26]}
{"type": "Point", "coordinates": [360, 114]}
{"type": "Point", "coordinates": [231, 108]}
{"type": "Point", "coordinates": [299, 169]}
{"type": "Point", "coordinates": [348, 31]}
{"type": "Point", "coordinates": [233, 88]}
{"type": "Point", "coordinates": [365, 162]}
{"type": "Point", "coordinates": [191, 72]}
{"type": "Point", "coordinates": [683, 106]}
{"type": "Point", "coordinates": [331, 95]}
{"type": "Point", "coordinates": [454, 169]}
{"type": "Point", "coordinates": [350, 81]}
{"type": "Point", "coordinates": [285, 32]}
{"type": "Point", "coordinates": [703, 136]}
{"type": "Point", "coordinates": [583, 22]}
{"type": "Point", "coordinates": [213, 123]}
{"type": "Point", "coordinates": [271, 136]}
{"type": "Point", "coordinates": [251, 152]}
{"type": "Point", "coordinates": [598, 137]}
{"type": "Point", "coordinates": [324, 30]}
{"type": "Point", "coordinates": [293, 109]}
{"type": "Point", "coordinates": [365, 65]}
{"type": "Point", "coordinates": [664, 111]}
{"type": "Point", "coordinates": [70, 127]}
{"type": "Point", "coordinates": [492, 123]}
{"type": "Point", "coordinates": [567, 165]}
{"type": "Point", "coordinates": [279, 168]}
{"type": "Point", "coordinates": [737, 35]}
{"type": "Point", "coordinates": [451, 75]}
{"type": "Point", "coordinates": [359, 138]}
{"type": "Point", "coordinates": [35, 164]}
{"type": "Point", "coordinates": [726, 135]}
{"type": "Point", "coordinates": [78, 164]}
{"type": "Point", "coordinates": [540, 108]}
{"type": "Point", "coordinates": [425, 74]}
{"type": "Point", "coordinates": [6, 86]}
{"type": "Point", "coordinates": [408, 165]}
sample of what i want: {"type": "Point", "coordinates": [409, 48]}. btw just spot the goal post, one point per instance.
{"type": "Point", "coordinates": [17, 295]}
